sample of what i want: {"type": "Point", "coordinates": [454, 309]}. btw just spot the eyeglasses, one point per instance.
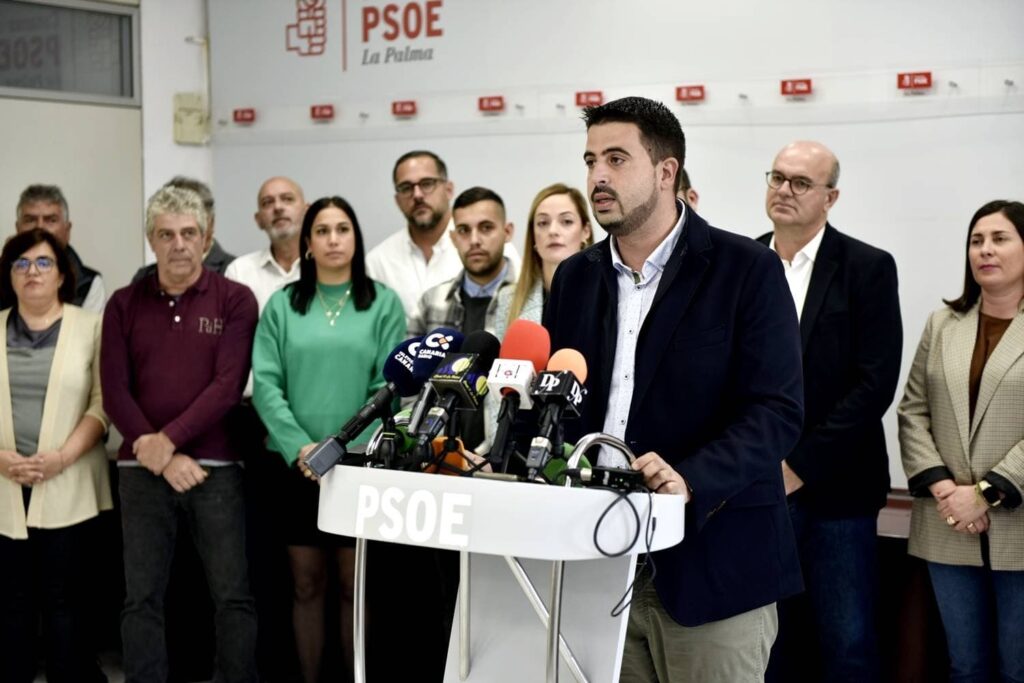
{"type": "Point", "coordinates": [21, 266]}
{"type": "Point", "coordinates": [427, 185]}
{"type": "Point", "coordinates": [797, 185]}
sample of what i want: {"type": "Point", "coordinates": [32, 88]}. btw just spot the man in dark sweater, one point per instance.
{"type": "Point", "coordinates": [174, 360]}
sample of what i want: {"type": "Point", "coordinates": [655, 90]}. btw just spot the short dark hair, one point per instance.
{"type": "Point", "coordinates": [442, 169]}
{"type": "Point", "coordinates": [660, 131]}
{"type": "Point", "coordinates": [48, 194]}
{"type": "Point", "coordinates": [22, 242]}
{"type": "Point", "coordinates": [474, 195]}
{"type": "Point", "coordinates": [303, 291]}
{"type": "Point", "coordinates": [1014, 212]}
{"type": "Point", "coordinates": [197, 186]}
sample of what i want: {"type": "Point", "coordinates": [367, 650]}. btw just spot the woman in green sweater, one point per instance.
{"type": "Point", "coordinates": [320, 346]}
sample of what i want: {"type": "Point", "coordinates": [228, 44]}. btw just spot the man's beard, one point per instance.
{"type": "Point", "coordinates": [632, 221]}
{"type": "Point", "coordinates": [425, 224]}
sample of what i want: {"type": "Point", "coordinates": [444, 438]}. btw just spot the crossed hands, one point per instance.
{"type": "Point", "coordinates": [31, 470]}
{"type": "Point", "coordinates": [157, 454]}
{"type": "Point", "coordinates": [959, 507]}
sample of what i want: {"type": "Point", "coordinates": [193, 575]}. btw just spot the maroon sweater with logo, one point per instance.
{"type": "Point", "coordinates": [177, 364]}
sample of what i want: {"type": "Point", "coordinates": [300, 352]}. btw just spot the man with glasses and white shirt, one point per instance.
{"type": "Point", "coordinates": [837, 476]}
{"type": "Point", "coordinates": [413, 260]}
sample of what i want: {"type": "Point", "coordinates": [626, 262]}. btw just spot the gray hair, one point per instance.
{"type": "Point", "coordinates": [197, 186]}
{"type": "Point", "coordinates": [833, 175]}
{"type": "Point", "coordinates": [49, 194]}
{"type": "Point", "coordinates": [176, 200]}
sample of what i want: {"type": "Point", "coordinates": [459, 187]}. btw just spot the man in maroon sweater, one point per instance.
{"type": "Point", "coordinates": [175, 357]}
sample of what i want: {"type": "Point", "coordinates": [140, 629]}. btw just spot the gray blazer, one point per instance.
{"type": "Point", "coordinates": [936, 430]}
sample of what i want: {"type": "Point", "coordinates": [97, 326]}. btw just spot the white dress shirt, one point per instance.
{"type": "Point", "coordinates": [636, 294]}
{"type": "Point", "coordinates": [261, 273]}
{"type": "Point", "coordinates": [398, 262]}
{"type": "Point", "coordinates": [798, 271]}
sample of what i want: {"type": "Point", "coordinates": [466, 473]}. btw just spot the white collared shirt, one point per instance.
{"type": "Point", "coordinates": [636, 295]}
{"type": "Point", "coordinates": [398, 262]}
{"type": "Point", "coordinates": [798, 271]}
{"type": "Point", "coordinates": [261, 273]}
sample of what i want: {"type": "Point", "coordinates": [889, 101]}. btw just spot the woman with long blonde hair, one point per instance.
{"type": "Point", "coordinates": [558, 227]}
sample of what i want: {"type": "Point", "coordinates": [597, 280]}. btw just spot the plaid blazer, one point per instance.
{"type": "Point", "coordinates": [441, 306]}
{"type": "Point", "coordinates": [936, 430]}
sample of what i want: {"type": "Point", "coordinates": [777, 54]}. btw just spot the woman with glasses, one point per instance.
{"type": "Point", "coordinates": [558, 227]}
{"type": "Point", "coordinates": [319, 350]}
{"type": "Point", "coordinates": [962, 439]}
{"type": "Point", "coordinates": [53, 468]}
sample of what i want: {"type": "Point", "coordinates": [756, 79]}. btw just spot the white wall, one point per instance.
{"type": "Point", "coordinates": [914, 168]}
{"type": "Point", "coordinates": [94, 154]}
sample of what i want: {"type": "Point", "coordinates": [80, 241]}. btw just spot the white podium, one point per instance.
{"type": "Point", "coordinates": [513, 536]}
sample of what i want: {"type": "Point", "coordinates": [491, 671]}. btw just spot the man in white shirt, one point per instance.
{"type": "Point", "coordinates": [280, 206]}
{"type": "Point", "coordinates": [413, 260]}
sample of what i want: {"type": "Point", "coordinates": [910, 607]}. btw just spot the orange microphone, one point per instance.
{"type": "Point", "coordinates": [559, 390]}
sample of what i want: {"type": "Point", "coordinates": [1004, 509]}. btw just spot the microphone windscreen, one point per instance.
{"type": "Point", "coordinates": [571, 360]}
{"type": "Point", "coordinates": [526, 340]}
{"type": "Point", "coordinates": [485, 345]}
{"type": "Point", "coordinates": [432, 349]}
{"type": "Point", "coordinates": [400, 368]}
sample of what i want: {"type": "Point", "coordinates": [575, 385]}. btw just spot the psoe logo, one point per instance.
{"type": "Point", "coordinates": [420, 516]}
{"type": "Point", "coordinates": [308, 35]}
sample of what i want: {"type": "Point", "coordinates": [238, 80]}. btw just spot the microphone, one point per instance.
{"type": "Point", "coordinates": [404, 373]}
{"type": "Point", "coordinates": [558, 389]}
{"type": "Point", "coordinates": [435, 345]}
{"type": "Point", "coordinates": [524, 352]}
{"type": "Point", "coordinates": [460, 380]}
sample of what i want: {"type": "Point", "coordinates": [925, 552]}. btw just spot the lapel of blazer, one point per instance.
{"type": "Point", "coordinates": [682, 275]}
{"type": "Point", "coordinates": [826, 263]}
{"type": "Point", "coordinates": [957, 348]}
{"type": "Point", "coordinates": [54, 394]}
{"type": "Point", "coordinates": [1006, 353]}
{"type": "Point", "coordinates": [6, 416]}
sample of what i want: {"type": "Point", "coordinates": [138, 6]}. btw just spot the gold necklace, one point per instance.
{"type": "Point", "coordinates": [332, 312]}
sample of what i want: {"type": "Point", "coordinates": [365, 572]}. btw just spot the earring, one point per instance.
{"type": "Point", "coordinates": [309, 255]}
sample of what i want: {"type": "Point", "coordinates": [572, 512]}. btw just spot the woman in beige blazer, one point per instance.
{"type": "Point", "coordinates": [53, 468]}
{"type": "Point", "coordinates": [962, 439]}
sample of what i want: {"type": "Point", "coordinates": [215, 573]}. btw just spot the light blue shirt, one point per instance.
{"type": "Point", "coordinates": [636, 294]}
{"type": "Point", "coordinates": [477, 291]}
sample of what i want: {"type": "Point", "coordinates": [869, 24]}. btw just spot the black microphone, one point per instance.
{"type": "Point", "coordinates": [404, 374]}
{"type": "Point", "coordinates": [436, 344]}
{"type": "Point", "coordinates": [558, 389]}
{"type": "Point", "coordinates": [460, 381]}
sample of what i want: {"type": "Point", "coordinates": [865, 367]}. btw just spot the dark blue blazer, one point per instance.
{"type": "Point", "coordinates": [852, 337]}
{"type": "Point", "coordinates": [718, 393]}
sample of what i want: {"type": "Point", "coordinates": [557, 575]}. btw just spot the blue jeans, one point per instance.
{"type": "Point", "coordinates": [983, 614]}
{"type": "Point", "coordinates": [839, 559]}
{"type": "Point", "coordinates": [215, 514]}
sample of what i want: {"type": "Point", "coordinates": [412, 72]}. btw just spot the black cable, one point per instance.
{"type": "Point", "coordinates": [626, 600]}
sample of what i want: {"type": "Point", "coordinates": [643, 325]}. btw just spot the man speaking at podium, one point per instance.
{"type": "Point", "coordinates": [693, 350]}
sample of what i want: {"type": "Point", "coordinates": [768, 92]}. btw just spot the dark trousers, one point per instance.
{"type": "Point", "coordinates": [44, 570]}
{"type": "Point", "coordinates": [830, 632]}
{"type": "Point", "coordinates": [214, 513]}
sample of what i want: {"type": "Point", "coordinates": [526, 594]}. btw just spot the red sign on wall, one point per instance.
{"type": "Point", "coordinates": [589, 98]}
{"type": "Point", "coordinates": [246, 115]}
{"type": "Point", "coordinates": [403, 108]}
{"type": "Point", "coordinates": [690, 93]}
{"type": "Point", "coordinates": [914, 80]}
{"type": "Point", "coordinates": [491, 104]}
{"type": "Point", "coordinates": [321, 112]}
{"type": "Point", "coordinates": [796, 87]}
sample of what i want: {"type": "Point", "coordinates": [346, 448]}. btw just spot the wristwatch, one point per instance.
{"type": "Point", "coordinates": [988, 493]}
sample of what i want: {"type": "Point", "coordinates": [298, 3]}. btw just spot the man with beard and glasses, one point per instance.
{"type": "Point", "coordinates": [413, 260]}
{"type": "Point", "coordinates": [693, 357]}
